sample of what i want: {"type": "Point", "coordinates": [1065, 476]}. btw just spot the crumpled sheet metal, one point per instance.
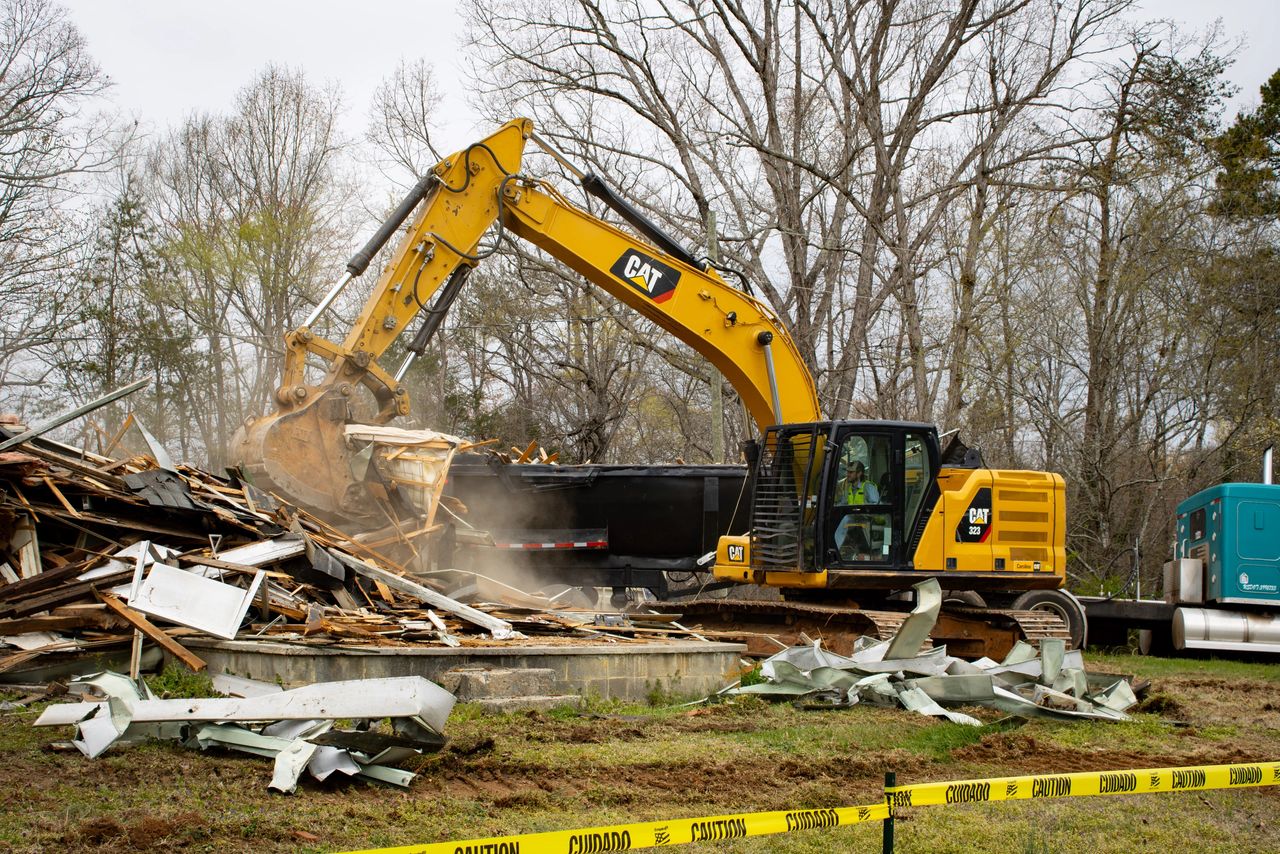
{"type": "Point", "coordinates": [417, 708]}
{"type": "Point", "coordinates": [915, 629]}
{"type": "Point", "coordinates": [1048, 683]}
{"type": "Point", "coordinates": [397, 696]}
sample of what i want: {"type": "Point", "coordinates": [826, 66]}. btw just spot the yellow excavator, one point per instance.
{"type": "Point", "coordinates": [842, 512]}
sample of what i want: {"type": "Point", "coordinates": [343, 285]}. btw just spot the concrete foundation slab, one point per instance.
{"type": "Point", "coordinates": [631, 672]}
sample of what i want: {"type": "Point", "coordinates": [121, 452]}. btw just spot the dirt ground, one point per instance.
{"type": "Point", "coordinates": [605, 764]}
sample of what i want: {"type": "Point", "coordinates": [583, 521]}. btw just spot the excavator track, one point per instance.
{"type": "Point", "coordinates": [766, 627]}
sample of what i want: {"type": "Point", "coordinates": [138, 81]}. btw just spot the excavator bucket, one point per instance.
{"type": "Point", "coordinates": [303, 455]}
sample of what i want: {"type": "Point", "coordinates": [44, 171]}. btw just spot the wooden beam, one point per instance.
{"type": "Point", "coordinates": [145, 626]}
{"type": "Point", "coordinates": [62, 499]}
{"type": "Point", "coordinates": [63, 595]}
{"type": "Point", "coordinates": [51, 578]}
{"type": "Point", "coordinates": [59, 623]}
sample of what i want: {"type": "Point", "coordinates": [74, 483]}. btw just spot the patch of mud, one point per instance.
{"type": "Point", "coordinates": [733, 781]}
{"type": "Point", "coordinates": [142, 833]}
{"type": "Point", "coordinates": [1219, 701]}
{"type": "Point", "coordinates": [97, 831]}
{"type": "Point", "coordinates": [1159, 703]}
{"type": "Point", "coordinates": [1015, 754]}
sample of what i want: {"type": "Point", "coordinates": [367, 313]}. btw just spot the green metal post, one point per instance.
{"type": "Point", "coordinates": [890, 781]}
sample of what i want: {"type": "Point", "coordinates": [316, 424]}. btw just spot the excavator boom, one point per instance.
{"type": "Point", "coordinates": [301, 451]}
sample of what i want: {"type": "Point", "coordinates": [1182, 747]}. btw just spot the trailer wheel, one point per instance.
{"type": "Point", "coordinates": [1061, 604]}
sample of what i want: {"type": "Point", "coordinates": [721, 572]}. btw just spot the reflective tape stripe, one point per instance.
{"type": "Point", "coordinates": [1087, 784]}
{"type": "Point", "coordinates": [627, 837]}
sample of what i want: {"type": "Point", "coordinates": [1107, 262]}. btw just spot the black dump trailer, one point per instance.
{"type": "Point", "coordinates": [618, 526]}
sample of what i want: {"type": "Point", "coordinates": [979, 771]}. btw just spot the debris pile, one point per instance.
{"type": "Point", "coordinates": [299, 733]}
{"type": "Point", "coordinates": [1049, 683]}
{"type": "Point", "coordinates": [99, 554]}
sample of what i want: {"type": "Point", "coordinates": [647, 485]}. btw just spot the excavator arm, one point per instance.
{"type": "Point", "coordinates": [301, 450]}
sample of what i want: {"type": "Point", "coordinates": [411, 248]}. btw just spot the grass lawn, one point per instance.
{"type": "Point", "coordinates": [614, 764]}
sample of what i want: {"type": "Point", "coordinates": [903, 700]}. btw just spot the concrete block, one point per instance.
{"type": "Point", "coordinates": [524, 704]}
{"type": "Point", "coordinates": [505, 682]}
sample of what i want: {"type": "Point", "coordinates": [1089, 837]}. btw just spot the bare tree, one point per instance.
{"type": "Point", "coordinates": [831, 138]}
{"type": "Point", "coordinates": [48, 83]}
{"type": "Point", "coordinates": [403, 117]}
{"type": "Point", "coordinates": [251, 206]}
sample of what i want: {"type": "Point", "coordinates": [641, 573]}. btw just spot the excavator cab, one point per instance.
{"type": "Point", "coordinates": [848, 512]}
{"type": "Point", "coordinates": [875, 490]}
{"type": "Point", "coordinates": [835, 496]}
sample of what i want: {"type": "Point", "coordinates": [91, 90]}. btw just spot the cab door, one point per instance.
{"type": "Point", "coordinates": [863, 495]}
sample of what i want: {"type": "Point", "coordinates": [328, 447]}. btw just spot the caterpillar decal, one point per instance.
{"type": "Point", "coordinates": [975, 526]}
{"type": "Point", "coordinates": [648, 275]}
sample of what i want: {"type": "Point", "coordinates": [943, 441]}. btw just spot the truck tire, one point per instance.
{"type": "Point", "coordinates": [1156, 642]}
{"type": "Point", "coordinates": [1061, 604]}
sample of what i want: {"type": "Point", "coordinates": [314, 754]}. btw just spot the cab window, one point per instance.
{"type": "Point", "coordinates": [862, 527]}
{"type": "Point", "coordinates": [918, 474]}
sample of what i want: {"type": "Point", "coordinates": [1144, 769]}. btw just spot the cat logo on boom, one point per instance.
{"type": "Point", "coordinates": [647, 275]}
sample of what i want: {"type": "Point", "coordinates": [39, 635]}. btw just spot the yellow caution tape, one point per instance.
{"type": "Point", "coordinates": [626, 837]}
{"type": "Point", "coordinates": [1086, 784]}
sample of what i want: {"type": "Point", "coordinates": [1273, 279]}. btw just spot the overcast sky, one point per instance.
{"type": "Point", "coordinates": [170, 58]}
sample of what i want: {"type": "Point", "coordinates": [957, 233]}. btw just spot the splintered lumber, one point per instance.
{"type": "Point", "coordinates": [59, 623]}
{"type": "Point", "coordinates": [62, 595]}
{"type": "Point", "coordinates": [17, 659]}
{"type": "Point", "coordinates": [142, 624]}
{"type": "Point", "coordinates": [104, 481]}
{"type": "Point", "coordinates": [62, 499]}
{"type": "Point", "coordinates": [45, 580]}
{"type": "Point", "coordinates": [496, 627]}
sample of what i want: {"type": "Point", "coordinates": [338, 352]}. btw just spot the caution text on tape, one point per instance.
{"type": "Point", "coordinates": [1086, 784]}
{"type": "Point", "coordinates": [626, 837]}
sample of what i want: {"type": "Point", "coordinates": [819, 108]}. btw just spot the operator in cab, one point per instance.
{"type": "Point", "coordinates": [856, 489]}
{"type": "Point", "coordinates": [854, 533]}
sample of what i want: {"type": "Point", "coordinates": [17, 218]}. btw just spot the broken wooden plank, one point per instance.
{"type": "Point", "coordinates": [62, 499]}
{"type": "Point", "coordinates": [142, 624]}
{"type": "Point", "coordinates": [106, 481]}
{"type": "Point", "coordinates": [43, 581]}
{"type": "Point", "coordinates": [62, 596]}
{"type": "Point", "coordinates": [498, 628]}
{"type": "Point", "coordinates": [471, 446]}
{"type": "Point", "coordinates": [19, 658]}
{"type": "Point", "coordinates": [228, 566]}
{"type": "Point", "coordinates": [442, 631]}
{"type": "Point", "coordinates": [385, 592]}
{"type": "Point", "coordinates": [26, 547]}
{"type": "Point", "coordinates": [58, 623]}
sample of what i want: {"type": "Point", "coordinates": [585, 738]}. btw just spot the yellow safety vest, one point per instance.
{"type": "Point", "coordinates": [855, 496]}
